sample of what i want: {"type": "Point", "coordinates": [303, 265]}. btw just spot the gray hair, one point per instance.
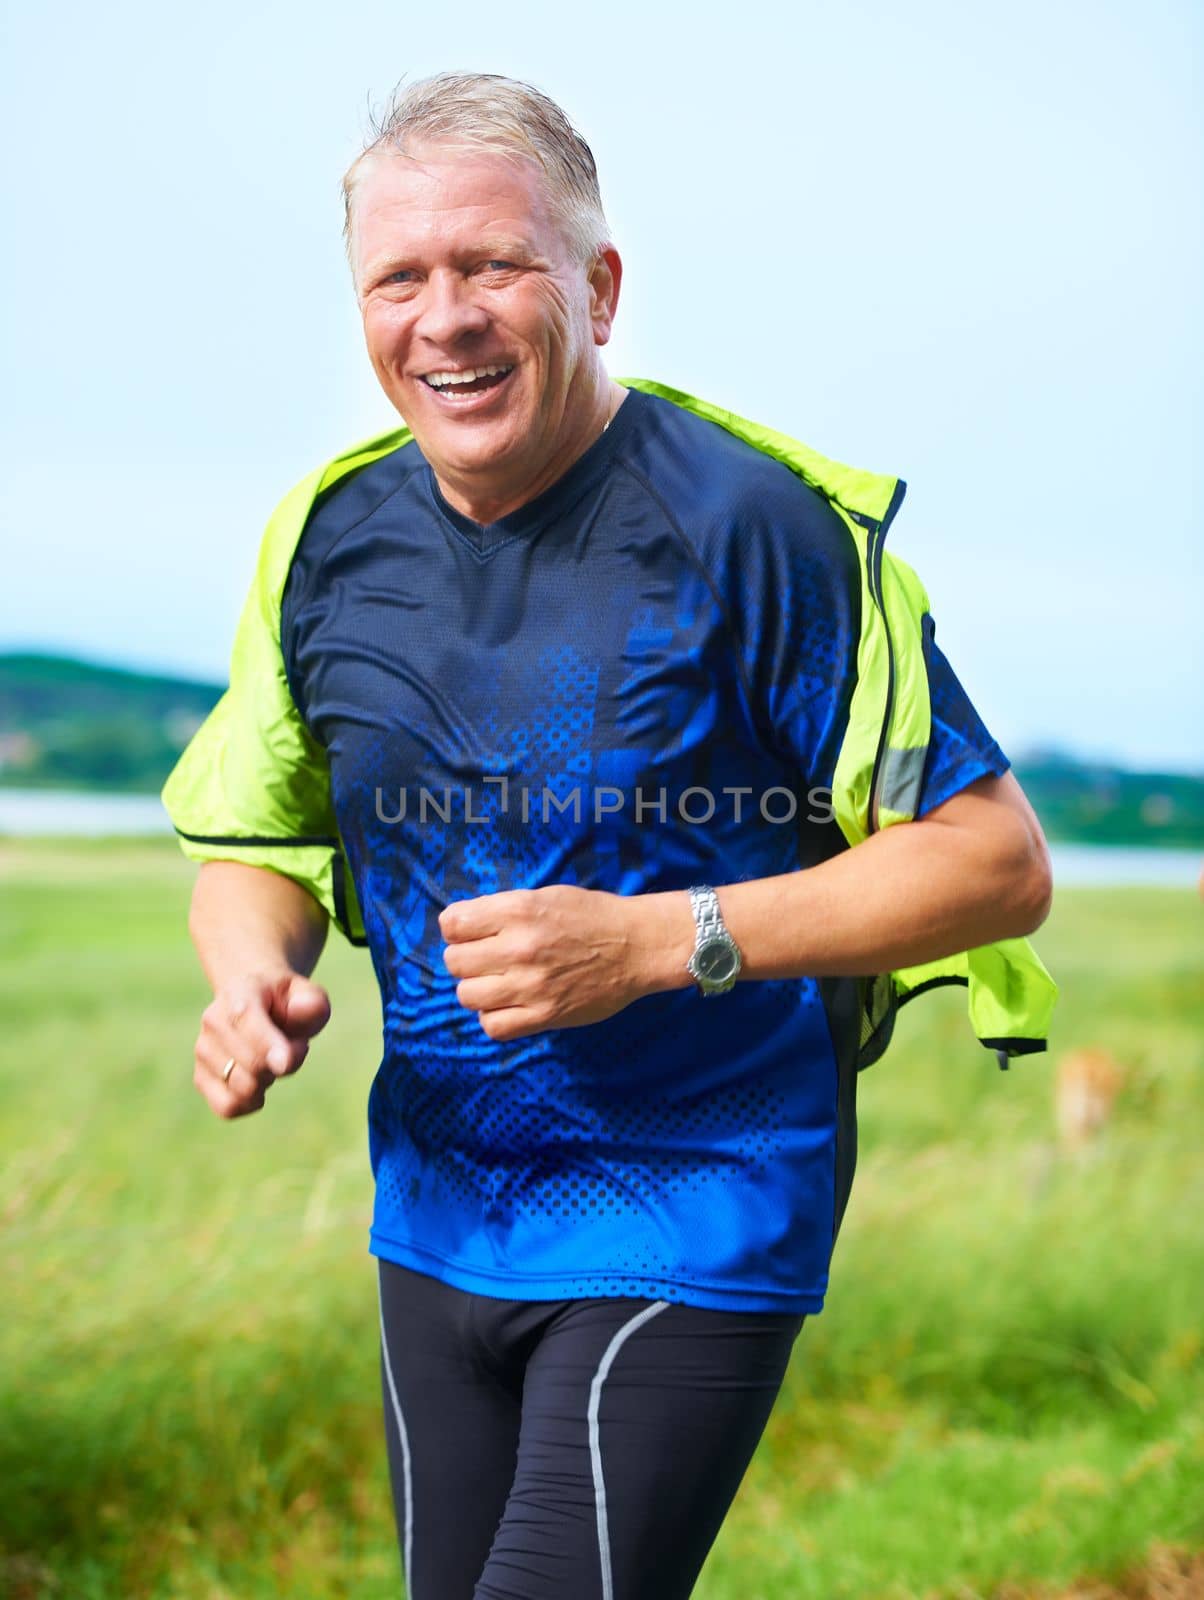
{"type": "Point", "coordinates": [484, 111]}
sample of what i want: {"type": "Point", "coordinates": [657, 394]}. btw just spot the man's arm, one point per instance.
{"type": "Point", "coordinates": [258, 935]}
{"type": "Point", "coordinates": [974, 870]}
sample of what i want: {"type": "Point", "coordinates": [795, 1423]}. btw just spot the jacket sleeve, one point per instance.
{"type": "Point", "coordinates": [253, 785]}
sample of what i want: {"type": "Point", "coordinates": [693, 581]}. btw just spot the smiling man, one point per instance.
{"type": "Point", "coordinates": [481, 318]}
{"type": "Point", "coordinates": [594, 711]}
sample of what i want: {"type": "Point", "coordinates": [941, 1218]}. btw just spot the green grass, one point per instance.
{"type": "Point", "coordinates": [1007, 1385]}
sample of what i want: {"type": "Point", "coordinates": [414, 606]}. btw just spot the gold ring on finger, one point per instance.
{"type": "Point", "coordinates": [228, 1069]}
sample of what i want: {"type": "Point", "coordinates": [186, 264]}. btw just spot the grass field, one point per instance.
{"type": "Point", "coordinates": [1005, 1397]}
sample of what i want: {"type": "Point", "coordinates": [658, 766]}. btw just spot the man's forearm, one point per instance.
{"type": "Point", "coordinates": [249, 919]}
{"type": "Point", "coordinates": [912, 893]}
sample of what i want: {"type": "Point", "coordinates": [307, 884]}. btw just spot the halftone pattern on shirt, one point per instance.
{"type": "Point", "coordinates": [676, 616]}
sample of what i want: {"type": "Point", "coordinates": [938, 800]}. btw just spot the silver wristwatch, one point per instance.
{"type": "Point", "coordinates": [716, 959]}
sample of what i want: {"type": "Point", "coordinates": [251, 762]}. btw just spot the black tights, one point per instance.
{"type": "Point", "coordinates": [567, 1449]}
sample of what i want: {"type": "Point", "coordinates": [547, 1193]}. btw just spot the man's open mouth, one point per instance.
{"type": "Point", "coordinates": [455, 386]}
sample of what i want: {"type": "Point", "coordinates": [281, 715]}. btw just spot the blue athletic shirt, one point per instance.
{"type": "Point", "coordinates": [676, 616]}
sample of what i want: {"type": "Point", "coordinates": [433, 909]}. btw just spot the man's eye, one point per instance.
{"type": "Point", "coordinates": [499, 266]}
{"type": "Point", "coordinates": [402, 275]}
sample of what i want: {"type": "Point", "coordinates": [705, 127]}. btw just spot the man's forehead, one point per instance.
{"type": "Point", "coordinates": [427, 178]}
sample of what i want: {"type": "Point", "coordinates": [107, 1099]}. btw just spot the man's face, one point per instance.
{"type": "Point", "coordinates": [461, 265]}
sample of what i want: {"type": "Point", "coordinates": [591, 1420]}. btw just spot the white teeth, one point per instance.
{"type": "Point", "coordinates": [439, 380]}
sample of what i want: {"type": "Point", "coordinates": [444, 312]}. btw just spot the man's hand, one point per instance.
{"type": "Point", "coordinates": [264, 1024]}
{"type": "Point", "coordinates": [558, 957]}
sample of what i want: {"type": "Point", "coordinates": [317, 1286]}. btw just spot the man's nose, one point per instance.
{"type": "Point", "coordinates": [450, 309]}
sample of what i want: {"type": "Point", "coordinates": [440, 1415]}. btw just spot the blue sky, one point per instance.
{"type": "Point", "coordinates": [958, 243]}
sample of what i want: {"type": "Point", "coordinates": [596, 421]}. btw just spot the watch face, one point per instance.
{"type": "Point", "coordinates": [716, 960]}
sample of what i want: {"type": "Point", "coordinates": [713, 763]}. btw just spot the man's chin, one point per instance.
{"type": "Point", "coordinates": [463, 445]}
{"type": "Point", "coordinates": [462, 455]}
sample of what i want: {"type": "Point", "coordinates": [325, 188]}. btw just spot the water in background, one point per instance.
{"type": "Point", "coordinates": [82, 813]}
{"type": "Point", "coordinates": [65, 811]}
{"type": "Point", "coordinates": [1114, 865]}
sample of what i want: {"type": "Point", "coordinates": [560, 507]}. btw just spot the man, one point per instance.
{"type": "Point", "coordinates": [527, 691]}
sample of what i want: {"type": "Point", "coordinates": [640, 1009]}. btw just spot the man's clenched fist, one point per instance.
{"type": "Point", "coordinates": [560, 956]}
{"type": "Point", "coordinates": [263, 1024]}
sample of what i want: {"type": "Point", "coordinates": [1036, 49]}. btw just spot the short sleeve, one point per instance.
{"type": "Point", "coordinates": [798, 601]}
{"type": "Point", "coordinates": [253, 785]}
{"type": "Point", "coordinates": [960, 750]}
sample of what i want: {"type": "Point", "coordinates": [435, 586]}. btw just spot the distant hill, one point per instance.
{"type": "Point", "coordinates": [1099, 804]}
{"type": "Point", "coordinates": [69, 723]}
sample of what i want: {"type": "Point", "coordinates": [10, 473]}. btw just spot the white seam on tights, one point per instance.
{"type": "Point", "coordinates": [595, 1448]}
{"type": "Point", "coordinates": [407, 1475]}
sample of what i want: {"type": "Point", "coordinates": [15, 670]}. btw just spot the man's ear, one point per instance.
{"type": "Point", "coordinates": [605, 277]}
